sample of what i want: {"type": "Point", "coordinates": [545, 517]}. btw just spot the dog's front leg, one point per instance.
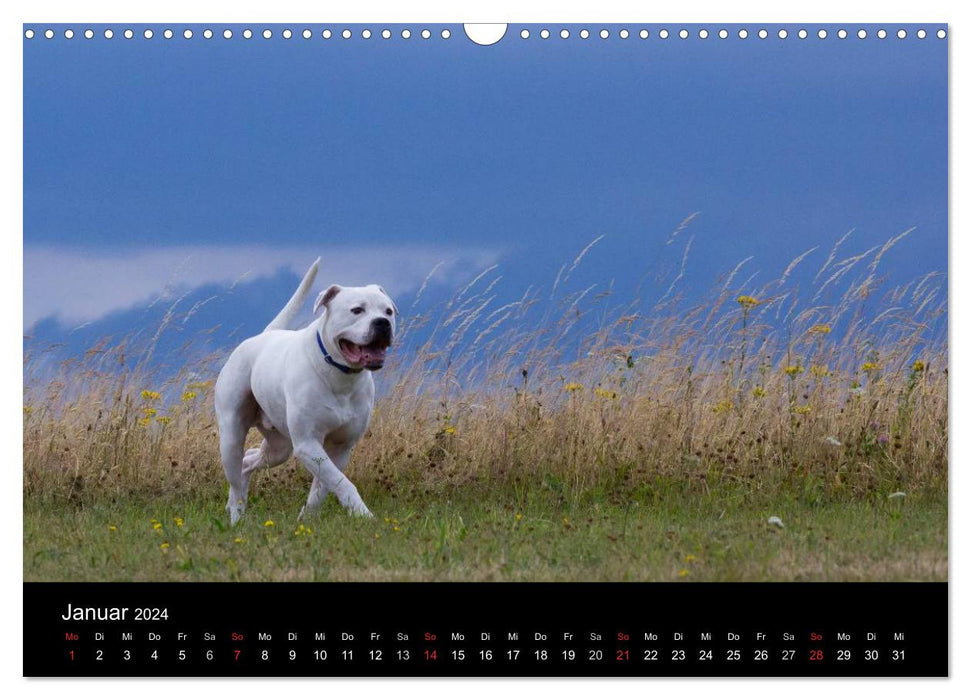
{"type": "Point", "coordinates": [327, 478]}
{"type": "Point", "coordinates": [340, 456]}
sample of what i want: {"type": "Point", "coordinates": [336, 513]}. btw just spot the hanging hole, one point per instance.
{"type": "Point", "coordinates": [485, 34]}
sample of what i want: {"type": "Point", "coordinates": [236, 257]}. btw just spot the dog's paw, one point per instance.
{"type": "Point", "coordinates": [348, 497]}
{"type": "Point", "coordinates": [235, 511]}
{"type": "Point", "coordinates": [251, 460]}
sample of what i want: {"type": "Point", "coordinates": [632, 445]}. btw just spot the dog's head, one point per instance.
{"type": "Point", "coordinates": [359, 323]}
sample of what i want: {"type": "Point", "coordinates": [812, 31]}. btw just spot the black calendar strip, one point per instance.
{"type": "Point", "coordinates": [481, 629]}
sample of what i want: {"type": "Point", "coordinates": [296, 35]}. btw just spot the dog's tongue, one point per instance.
{"type": "Point", "coordinates": [372, 355]}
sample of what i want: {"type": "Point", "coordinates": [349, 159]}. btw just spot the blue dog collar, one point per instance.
{"type": "Point", "coordinates": [331, 361]}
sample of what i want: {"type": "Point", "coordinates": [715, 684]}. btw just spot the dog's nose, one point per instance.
{"type": "Point", "coordinates": [381, 323]}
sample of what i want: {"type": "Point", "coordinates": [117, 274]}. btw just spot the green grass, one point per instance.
{"type": "Point", "coordinates": [494, 532]}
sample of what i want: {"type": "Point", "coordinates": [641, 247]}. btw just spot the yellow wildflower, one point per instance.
{"type": "Point", "coordinates": [239, 539]}
{"type": "Point", "coordinates": [683, 573]}
{"type": "Point", "coordinates": [188, 395]}
{"type": "Point", "coordinates": [144, 421]}
{"type": "Point", "coordinates": [605, 393]}
{"type": "Point", "coordinates": [573, 386]}
{"type": "Point", "coordinates": [690, 558]}
{"type": "Point", "coordinates": [149, 411]}
{"type": "Point", "coordinates": [802, 409]}
{"type": "Point", "coordinates": [179, 522]}
{"type": "Point", "coordinates": [164, 420]}
{"type": "Point", "coordinates": [793, 370]}
{"type": "Point", "coordinates": [747, 301]}
{"type": "Point", "coordinates": [519, 516]}
{"type": "Point", "coordinates": [820, 329]}
{"type": "Point", "coordinates": [157, 526]}
{"type": "Point", "coordinates": [150, 395]}
{"type": "Point", "coordinates": [918, 366]}
{"type": "Point", "coordinates": [269, 523]}
{"type": "Point", "coordinates": [449, 430]}
{"type": "Point", "coordinates": [113, 528]}
{"type": "Point", "coordinates": [869, 366]}
{"type": "Point", "coordinates": [758, 392]}
{"type": "Point", "coordinates": [395, 528]}
{"type": "Point", "coordinates": [164, 546]}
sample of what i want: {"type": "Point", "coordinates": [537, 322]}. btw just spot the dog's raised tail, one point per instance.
{"type": "Point", "coordinates": [289, 312]}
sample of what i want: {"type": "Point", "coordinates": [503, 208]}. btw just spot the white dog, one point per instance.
{"type": "Point", "coordinates": [306, 391]}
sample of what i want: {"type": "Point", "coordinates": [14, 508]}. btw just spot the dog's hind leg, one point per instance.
{"type": "Point", "coordinates": [236, 413]}
{"type": "Point", "coordinates": [232, 434]}
{"type": "Point", "coordinates": [234, 422]}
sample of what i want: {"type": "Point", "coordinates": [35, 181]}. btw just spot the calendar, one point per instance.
{"type": "Point", "coordinates": [470, 350]}
{"type": "Point", "coordinates": [636, 630]}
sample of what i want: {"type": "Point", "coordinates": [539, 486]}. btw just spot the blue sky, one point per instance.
{"type": "Point", "coordinates": [173, 169]}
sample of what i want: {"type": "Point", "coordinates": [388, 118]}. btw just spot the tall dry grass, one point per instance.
{"type": "Point", "coordinates": [842, 389]}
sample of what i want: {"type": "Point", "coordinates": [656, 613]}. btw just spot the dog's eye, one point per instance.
{"type": "Point", "coordinates": [357, 310]}
{"type": "Point", "coordinates": [389, 312]}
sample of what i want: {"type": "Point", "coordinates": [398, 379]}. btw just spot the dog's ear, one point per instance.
{"type": "Point", "coordinates": [324, 298]}
{"type": "Point", "coordinates": [393, 305]}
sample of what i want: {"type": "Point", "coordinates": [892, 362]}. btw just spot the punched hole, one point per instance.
{"type": "Point", "coordinates": [488, 34]}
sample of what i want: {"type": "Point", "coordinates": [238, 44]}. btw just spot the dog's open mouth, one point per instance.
{"type": "Point", "coordinates": [370, 356]}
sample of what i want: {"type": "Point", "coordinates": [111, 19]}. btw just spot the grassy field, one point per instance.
{"type": "Point", "coordinates": [486, 534]}
{"type": "Point", "coordinates": [560, 436]}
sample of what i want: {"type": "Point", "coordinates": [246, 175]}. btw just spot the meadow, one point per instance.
{"type": "Point", "coordinates": [559, 436]}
